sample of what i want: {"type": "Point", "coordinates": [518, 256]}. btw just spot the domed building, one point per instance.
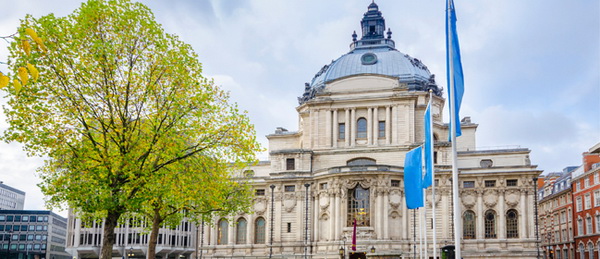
{"type": "Point", "coordinates": [358, 117]}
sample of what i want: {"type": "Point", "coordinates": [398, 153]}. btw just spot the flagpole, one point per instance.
{"type": "Point", "coordinates": [432, 178]}
{"type": "Point", "coordinates": [424, 227]}
{"type": "Point", "coordinates": [456, 200]}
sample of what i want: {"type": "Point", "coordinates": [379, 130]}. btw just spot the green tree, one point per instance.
{"type": "Point", "coordinates": [201, 187]}
{"type": "Point", "coordinates": [118, 104]}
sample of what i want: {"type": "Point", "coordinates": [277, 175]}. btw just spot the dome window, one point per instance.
{"type": "Point", "coordinates": [368, 59]}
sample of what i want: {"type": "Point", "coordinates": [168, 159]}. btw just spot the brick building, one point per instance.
{"type": "Point", "coordinates": [586, 198]}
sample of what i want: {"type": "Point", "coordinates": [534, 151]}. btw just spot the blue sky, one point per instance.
{"type": "Point", "coordinates": [532, 68]}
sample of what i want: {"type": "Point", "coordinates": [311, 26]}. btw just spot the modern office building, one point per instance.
{"type": "Point", "coordinates": [11, 198]}
{"type": "Point", "coordinates": [32, 234]}
{"type": "Point", "coordinates": [84, 239]}
{"type": "Point", "coordinates": [358, 117]}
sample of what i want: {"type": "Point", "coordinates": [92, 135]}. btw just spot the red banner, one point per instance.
{"type": "Point", "coordinates": [354, 237]}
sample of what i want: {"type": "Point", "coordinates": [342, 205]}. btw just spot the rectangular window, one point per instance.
{"type": "Point", "coordinates": [577, 186]}
{"type": "Point", "coordinates": [596, 198]}
{"type": "Point", "coordinates": [468, 184]}
{"type": "Point", "coordinates": [596, 178]}
{"type": "Point", "coordinates": [342, 131]}
{"type": "Point", "coordinates": [588, 201]}
{"type": "Point", "coordinates": [436, 182]}
{"type": "Point", "coordinates": [323, 186]}
{"type": "Point", "coordinates": [259, 192]}
{"type": "Point", "coordinates": [579, 204]}
{"type": "Point", "coordinates": [490, 183]}
{"type": "Point", "coordinates": [381, 129]}
{"type": "Point", "coordinates": [289, 188]}
{"type": "Point", "coordinates": [25, 218]}
{"type": "Point", "coordinates": [9, 218]}
{"type": "Point", "coordinates": [586, 182]}
{"type": "Point", "coordinates": [33, 218]}
{"type": "Point", "coordinates": [289, 227]}
{"type": "Point", "coordinates": [290, 164]}
{"type": "Point", "coordinates": [395, 183]}
{"type": "Point", "coordinates": [2, 218]}
{"type": "Point", "coordinates": [18, 218]}
{"type": "Point", "coordinates": [512, 182]}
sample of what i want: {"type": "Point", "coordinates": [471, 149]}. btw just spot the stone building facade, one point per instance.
{"type": "Point", "coordinates": [358, 117]}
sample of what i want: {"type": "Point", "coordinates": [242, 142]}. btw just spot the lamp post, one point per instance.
{"type": "Point", "coordinates": [343, 248]}
{"type": "Point", "coordinates": [372, 249]}
{"type": "Point", "coordinates": [306, 222]}
{"type": "Point", "coordinates": [130, 254]}
{"type": "Point", "coordinates": [272, 215]}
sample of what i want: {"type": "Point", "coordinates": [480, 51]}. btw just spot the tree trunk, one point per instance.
{"type": "Point", "coordinates": [156, 221]}
{"type": "Point", "coordinates": [110, 223]}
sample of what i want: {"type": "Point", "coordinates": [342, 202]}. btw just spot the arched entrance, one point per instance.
{"type": "Point", "coordinates": [358, 255]}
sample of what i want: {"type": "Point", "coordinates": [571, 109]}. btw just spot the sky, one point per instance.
{"type": "Point", "coordinates": [532, 68]}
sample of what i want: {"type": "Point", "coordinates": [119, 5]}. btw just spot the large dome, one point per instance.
{"type": "Point", "coordinates": [373, 54]}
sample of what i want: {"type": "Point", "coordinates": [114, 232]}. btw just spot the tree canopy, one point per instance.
{"type": "Point", "coordinates": [117, 106]}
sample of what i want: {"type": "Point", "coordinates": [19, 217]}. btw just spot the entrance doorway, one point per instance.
{"type": "Point", "coordinates": [358, 255]}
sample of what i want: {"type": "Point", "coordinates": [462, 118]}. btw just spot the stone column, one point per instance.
{"type": "Point", "coordinates": [378, 214]}
{"type": "Point", "coordinates": [353, 127]}
{"type": "Point", "coordinates": [501, 216]}
{"type": "Point", "coordinates": [522, 219]}
{"type": "Point", "coordinates": [250, 228]}
{"type": "Point", "coordinates": [315, 216]}
{"type": "Point", "coordinates": [480, 217]}
{"type": "Point", "coordinates": [369, 126]}
{"type": "Point", "coordinates": [405, 219]}
{"type": "Point", "coordinates": [347, 131]}
{"type": "Point", "coordinates": [386, 206]}
{"type": "Point", "coordinates": [337, 230]}
{"type": "Point", "coordinates": [394, 123]}
{"type": "Point", "coordinates": [328, 126]}
{"type": "Point", "coordinates": [332, 215]}
{"type": "Point", "coordinates": [231, 229]}
{"type": "Point", "coordinates": [388, 125]}
{"type": "Point", "coordinates": [375, 127]}
{"type": "Point", "coordinates": [445, 214]}
{"type": "Point", "coordinates": [335, 128]}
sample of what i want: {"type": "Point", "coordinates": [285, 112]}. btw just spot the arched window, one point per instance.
{"type": "Point", "coordinates": [358, 207]}
{"type": "Point", "coordinates": [361, 128]}
{"type": "Point", "coordinates": [591, 250]}
{"type": "Point", "coordinates": [581, 251]}
{"type": "Point", "coordinates": [240, 234]}
{"type": "Point", "coordinates": [361, 161]}
{"type": "Point", "coordinates": [490, 224]}
{"type": "Point", "coordinates": [512, 224]}
{"type": "Point", "coordinates": [222, 229]}
{"type": "Point", "coordinates": [469, 225]}
{"type": "Point", "coordinates": [588, 225]}
{"type": "Point", "coordinates": [259, 231]}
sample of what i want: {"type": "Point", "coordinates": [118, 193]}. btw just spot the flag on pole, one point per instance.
{"type": "Point", "coordinates": [454, 72]}
{"type": "Point", "coordinates": [354, 236]}
{"type": "Point", "coordinates": [428, 147]}
{"type": "Point", "coordinates": [413, 177]}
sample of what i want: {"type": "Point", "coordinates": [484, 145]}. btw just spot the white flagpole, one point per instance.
{"type": "Point", "coordinates": [432, 178]}
{"type": "Point", "coordinates": [420, 234]}
{"type": "Point", "coordinates": [424, 212]}
{"type": "Point", "coordinates": [455, 198]}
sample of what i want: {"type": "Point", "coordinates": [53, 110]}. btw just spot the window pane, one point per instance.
{"type": "Point", "coordinates": [358, 207]}
{"type": "Point", "coordinates": [381, 129]}
{"type": "Point", "coordinates": [512, 230]}
{"type": "Point", "coordinates": [361, 128]}
{"type": "Point", "coordinates": [259, 232]}
{"type": "Point", "coordinates": [341, 131]}
{"type": "Point", "coordinates": [222, 235]}
{"type": "Point", "coordinates": [490, 224]}
{"type": "Point", "coordinates": [241, 231]}
{"type": "Point", "coordinates": [469, 225]}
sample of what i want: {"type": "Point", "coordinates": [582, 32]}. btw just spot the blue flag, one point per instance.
{"type": "Point", "coordinates": [454, 72]}
{"type": "Point", "coordinates": [413, 174]}
{"type": "Point", "coordinates": [428, 147]}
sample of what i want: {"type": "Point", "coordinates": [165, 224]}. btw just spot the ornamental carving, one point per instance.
{"type": "Point", "coordinates": [365, 183]}
{"type": "Point", "coordinates": [260, 206]}
{"type": "Point", "coordinates": [490, 198]}
{"type": "Point", "coordinates": [468, 199]}
{"type": "Point", "coordinates": [395, 200]}
{"type": "Point", "coordinates": [324, 202]}
{"type": "Point", "coordinates": [428, 199]}
{"type": "Point", "coordinates": [394, 215]}
{"type": "Point", "coordinates": [512, 197]}
{"type": "Point", "coordinates": [324, 216]}
{"type": "Point", "coordinates": [289, 202]}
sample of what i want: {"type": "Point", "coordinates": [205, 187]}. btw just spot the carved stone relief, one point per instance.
{"type": "Point", "coordinates": [490, 198]}
{"type": "Point", "coordinates": [260, 206]}
{"type": "Point", "coordinates": [289, 202]}
{"type": "Point", "coordinates": [468, 199]}
{"type": "Point", "coordinates": [512, 197]}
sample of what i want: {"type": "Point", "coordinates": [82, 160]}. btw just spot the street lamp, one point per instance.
{"type": "Point", "coordinates": [272, 212]}
{"type": "Point", "coordinates": [372, 249]}
{"type": "Point", "coordinates": [130, 254]}
{"type": "Point", "coordinates": [343, 249]}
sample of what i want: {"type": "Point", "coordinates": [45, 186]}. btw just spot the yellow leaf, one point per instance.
{"type": "Point", "coordinates": [23, 75]}
{"type": "Point", "coordinates": [31, 33]}
{"type": "Point", "coordinates": [3, 80]}
{"type": "Point", "coordinates": [40, 44]}
{"type": "Point", "coordinates": [17, 85]}
{"type": "Point", "coordinates": [33, 71]}
{"type": "Point", "coordinates": [26, 46]}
